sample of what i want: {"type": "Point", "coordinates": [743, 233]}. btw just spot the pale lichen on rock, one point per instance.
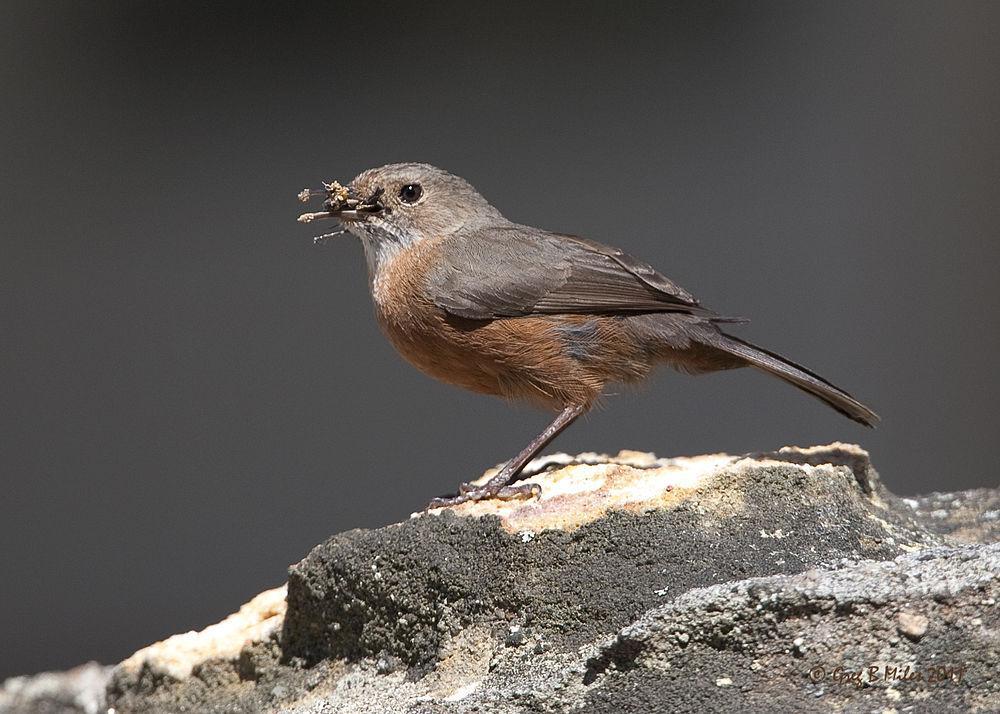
{"type": "Point", "coordinates": [177, 656]}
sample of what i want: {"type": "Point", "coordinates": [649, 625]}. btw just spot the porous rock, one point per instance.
{"type": "Point", "coordinates": [633, 584]}
{"type": "Point", "coordinates": [77, 691]}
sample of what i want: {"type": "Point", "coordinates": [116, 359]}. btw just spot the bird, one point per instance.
{"type": "Point", "coordinates": [499, 308]}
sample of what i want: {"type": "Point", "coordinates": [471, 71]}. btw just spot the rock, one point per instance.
{"type": "Point", "coordinates": [207, 665]}
{"type": "Point", "coordinates": [912, 624]}
{"type": "Point", "coordinates": [78, 691]}
{"type": "Point", "coordinates": [176, 657]}
{"type": "Point", "coordinates": [846, 615]}
{"type": "Point", "coordinates": [777, 581]}
{"type": "Point", "coordinates": [606, 538]}
{"type": "Point", "coordinates": [968, 516]}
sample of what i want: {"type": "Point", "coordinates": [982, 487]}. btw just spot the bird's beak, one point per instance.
{"type": "Point", "coordinates": [342, 202]}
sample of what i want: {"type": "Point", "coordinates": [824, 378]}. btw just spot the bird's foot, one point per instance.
{"type": "Point", "coordinates": [471, 492]}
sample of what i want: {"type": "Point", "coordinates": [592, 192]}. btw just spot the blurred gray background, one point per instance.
{"type": "Point", "coordinates": [194, 394]}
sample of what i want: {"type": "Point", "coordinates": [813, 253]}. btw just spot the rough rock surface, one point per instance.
{"type": "Point", "coordinates": [967, 516]}
{"type": "Point", "coordinates": [78, 691]}
{"type": "Point", "coordinates": [784, 581]}
{"type": "Point", "coordinates": [776, 643]}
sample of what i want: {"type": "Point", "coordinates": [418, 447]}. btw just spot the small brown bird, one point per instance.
{"type": "Point", "coordinates": [518, 312]}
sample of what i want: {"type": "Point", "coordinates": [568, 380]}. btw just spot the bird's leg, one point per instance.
{"type": "Point", "coordinates": [498, 486]}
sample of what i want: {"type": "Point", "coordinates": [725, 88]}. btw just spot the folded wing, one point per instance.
{"type": "Point", "coordinates": [515, 271]}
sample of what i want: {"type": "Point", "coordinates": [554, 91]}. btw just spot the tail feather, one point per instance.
{"type": "Point", "coordinates": [797, 375]}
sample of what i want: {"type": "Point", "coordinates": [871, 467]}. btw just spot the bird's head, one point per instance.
{"type": "Point", "coordinates": [397, 205]}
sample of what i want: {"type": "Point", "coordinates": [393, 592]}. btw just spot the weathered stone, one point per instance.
{"type": "Point", "coordinates": [633, 584]}
{"type": "Point", "coordinates": [602, 545]}
{"type": "Point", "coordinates": [911, 624]}
{"type": "Point", "coordinates": [967, 516]}
{"type": "Point", "coordinates": [78, 691]}
{"type": "Point", "coordinates": [846, 618]}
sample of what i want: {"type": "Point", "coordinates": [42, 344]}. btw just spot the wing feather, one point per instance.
{"type": "Point", "coordinates": [515, 271]}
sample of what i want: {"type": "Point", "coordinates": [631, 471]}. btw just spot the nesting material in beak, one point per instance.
{"type": "Point", "coordinates": [341, 202]}
{"type": "Point", "coordinates": [337, 199]}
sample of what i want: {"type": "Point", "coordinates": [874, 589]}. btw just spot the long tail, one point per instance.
{"type": "Point", "coordinates": [798, 375]}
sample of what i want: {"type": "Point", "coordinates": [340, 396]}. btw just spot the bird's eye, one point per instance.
{"type": "Point", "coordinates": [410, 193]}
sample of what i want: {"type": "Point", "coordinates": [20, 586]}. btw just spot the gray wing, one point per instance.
{"type": "Point", "coordinates": [514, 271]}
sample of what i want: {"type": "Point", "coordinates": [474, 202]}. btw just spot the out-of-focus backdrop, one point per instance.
{"type": "Point", "coordinates": [194, 394]}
